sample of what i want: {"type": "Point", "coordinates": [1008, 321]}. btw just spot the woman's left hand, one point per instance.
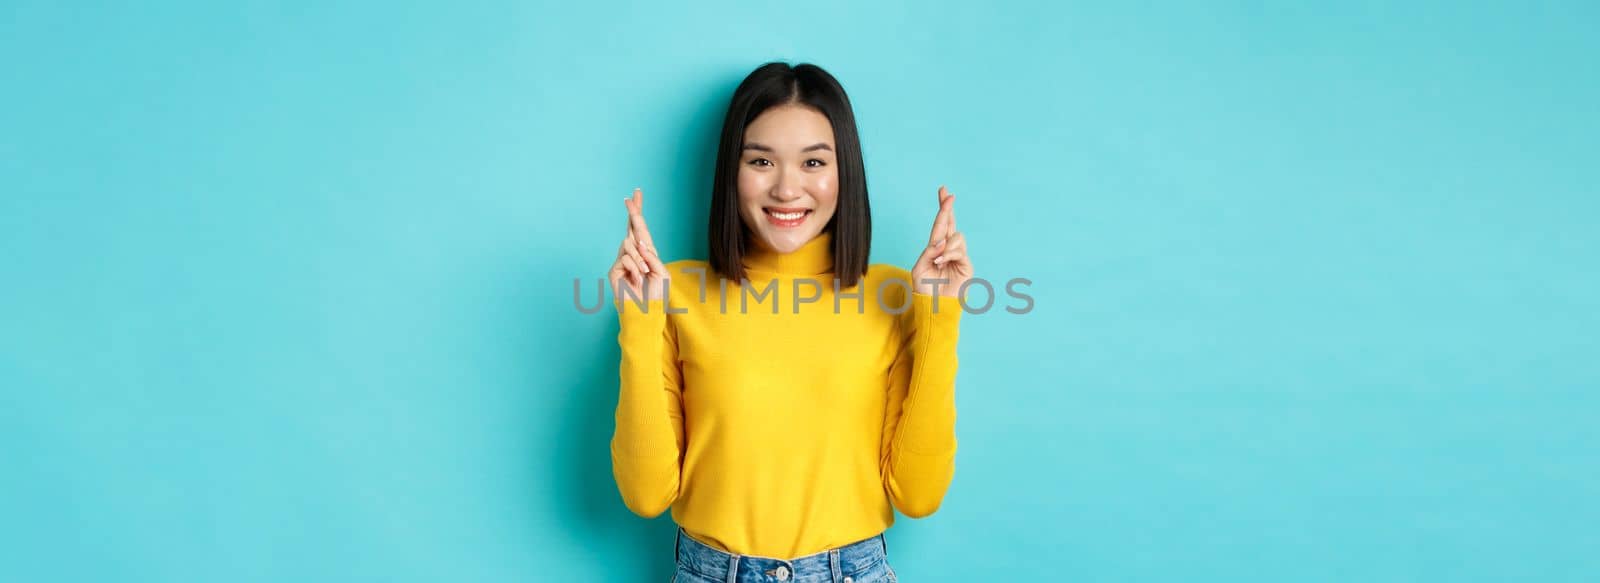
{"type": "Point", "coordinates": [945, 257]}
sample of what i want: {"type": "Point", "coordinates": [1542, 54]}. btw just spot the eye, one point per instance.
{"type": "Point", "coordinates": [815, 163]}
{"type": "Point", "coordinates": [760, 162]}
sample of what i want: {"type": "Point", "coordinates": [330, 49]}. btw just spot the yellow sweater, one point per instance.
{"type": "Point", "coordinates": [784, 434]}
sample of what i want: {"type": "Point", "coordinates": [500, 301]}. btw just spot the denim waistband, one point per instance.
{"type": "Point", "coordinates": [851, 560]}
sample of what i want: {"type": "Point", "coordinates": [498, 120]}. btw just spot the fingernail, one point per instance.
{"type": "Point", "coordinates": [939, 259]}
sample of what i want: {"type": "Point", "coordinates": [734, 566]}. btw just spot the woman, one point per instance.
{"type": "Point", "coordinates": [780, 397]}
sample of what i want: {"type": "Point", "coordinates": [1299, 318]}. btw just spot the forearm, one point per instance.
{"type": "Point", "coordinates": [645, 446]}
{"type": "Point", "coordinates": [921, 461]}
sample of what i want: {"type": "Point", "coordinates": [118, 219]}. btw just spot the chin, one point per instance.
{"type": "Point", "coordinates": [786, 242]}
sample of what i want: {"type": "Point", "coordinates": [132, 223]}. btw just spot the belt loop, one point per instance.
{"type": "Point", "coordinates": [677, 546]}
{"type": "Point", "coordinates": [834, 565]}
{"type": "Point", "coordinates": [733, 568]}
{"type": "Point", "coordinates": [885, 540]}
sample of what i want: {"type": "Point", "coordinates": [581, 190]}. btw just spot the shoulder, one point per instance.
{"type": "Point", "coordinates": [689, 270]}
{"type": "Point", "coordinates": [686, 278]}
{"type": "Point", "coordinates": [889, 282]}
{"type": "Point", "coordinates": [691, 267]}
{"type": "Point", "coordinates": [879, 272]}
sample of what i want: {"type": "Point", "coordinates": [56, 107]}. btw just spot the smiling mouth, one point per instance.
{"type": "Point", "coordinates": [786, 217]}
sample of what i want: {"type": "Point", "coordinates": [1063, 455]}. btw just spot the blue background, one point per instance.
{"type": "Point", "coordinates": [286, 291]}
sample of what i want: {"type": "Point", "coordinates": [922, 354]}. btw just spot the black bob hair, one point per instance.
{"type": "Point", "coordinates": [772, 85]}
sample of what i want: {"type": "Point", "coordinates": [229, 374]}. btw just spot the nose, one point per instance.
{"type": "Point", "coordinates": [788, 187]}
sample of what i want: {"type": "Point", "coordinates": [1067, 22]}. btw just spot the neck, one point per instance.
{"type": "Point", "coordinates": [815, 257]}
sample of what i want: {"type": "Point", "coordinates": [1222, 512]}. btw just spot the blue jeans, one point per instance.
{"type": "Point", "coordinates": [864, 561]}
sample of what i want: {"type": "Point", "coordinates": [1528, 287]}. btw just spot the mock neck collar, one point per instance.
{"type": "Point", "coordinates": [815, 257]}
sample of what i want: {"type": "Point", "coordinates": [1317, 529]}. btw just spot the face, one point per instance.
{"type": "Point", "coordinates": [788, 176]}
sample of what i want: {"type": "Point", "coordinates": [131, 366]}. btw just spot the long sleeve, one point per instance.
{"type": "Point", "coordinates": [919, 441]}
{"type": "Point", "coordinates": [646, 449]}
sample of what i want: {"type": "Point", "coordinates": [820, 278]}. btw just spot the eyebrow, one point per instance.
{"type": "Point", "coordinates": [766, 148]}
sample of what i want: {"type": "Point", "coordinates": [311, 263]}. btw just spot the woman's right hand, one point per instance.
{"type": "Point", "coordinates": [638, 265]}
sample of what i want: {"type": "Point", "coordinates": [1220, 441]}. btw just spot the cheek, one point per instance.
{"type": "Point", "coordinates": [825, 187]}
{"type": "Point", "coordinates": [752, 185]}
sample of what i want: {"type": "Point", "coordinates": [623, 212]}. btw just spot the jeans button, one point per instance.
{"type": "Point", "coordinates": [783, 572]}
{"type": "Point", "coordinates": [847, 579]}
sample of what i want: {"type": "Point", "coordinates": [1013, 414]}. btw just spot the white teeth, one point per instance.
{"type": "Point", "coordinates": [787, 216]}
